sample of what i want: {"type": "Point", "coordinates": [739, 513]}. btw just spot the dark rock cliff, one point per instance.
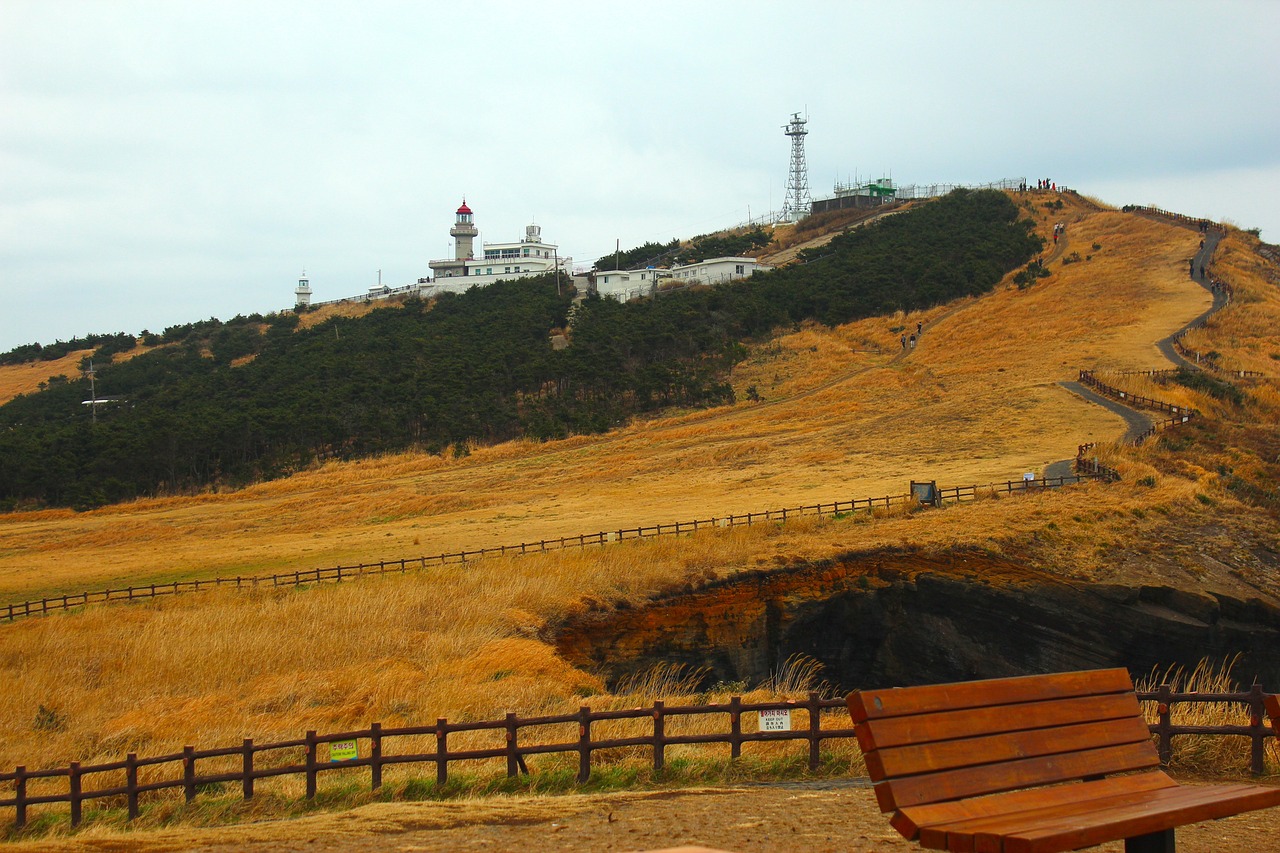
{"type": "Point", "coordinates": [899, 618]}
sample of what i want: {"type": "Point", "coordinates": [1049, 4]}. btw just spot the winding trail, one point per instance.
{"type": "Point", "coordinates": [1138, 422]}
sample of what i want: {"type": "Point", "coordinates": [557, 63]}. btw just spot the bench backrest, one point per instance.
{"type": "Point", "coordinates": [1273, 711]}
{"type": "Point", "coordinates": [946, 742]}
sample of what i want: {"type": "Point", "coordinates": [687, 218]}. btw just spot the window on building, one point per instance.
{"type": "Point", "coordinates": [740, 269]}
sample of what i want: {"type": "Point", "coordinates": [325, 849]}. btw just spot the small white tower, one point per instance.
{"type": "Point", "coordinates": [303, 291]}
{"type": "Point", "coordinates": [463, 231]}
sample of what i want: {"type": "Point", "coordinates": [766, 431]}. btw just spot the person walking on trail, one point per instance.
{"type": "Point", "coordinates": [904, 341]}
{"type": "Point", "coordinates": [1193, 267]}
{"type": "Point", "coordinates": [920, 328]}
{"type": "Point", "coordinates": [912, 340]}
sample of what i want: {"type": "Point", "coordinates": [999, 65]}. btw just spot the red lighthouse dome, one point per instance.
{"type": "Point", "coordinates": [464, 208]}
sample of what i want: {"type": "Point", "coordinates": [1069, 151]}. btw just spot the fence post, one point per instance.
{"type": "Point", "coordinates": [131, 783]}
{"type": "Point", "coordinates": [442, 751]}
{"type": "Point", "coordinates": [311, 764]}
{"type": "Point", "coordinates": [375, 755]}
{"type": "Point", "coordinates": [1258, 733]}
{"type": "Point", "coordinates": [19, 797]}
{"type": "Point", "coordinates": [513, 756]}
{"type": "Point", "coordinates": [246, 772]}
{"type": "Point", "coordinates": [584, 744]}
{"type": "Point", "coordinates": [189, 772]}
{"type": "Point", "coordinates": [1162, 728]}
{"type": "Point", "coordinates": [73, 779]}
{"type": "Point", "coordinates": [815, 731]}
{"type": "Point", "coordinates": [659, 736]}
{"type": "Point", "coordinates": [735, 727]}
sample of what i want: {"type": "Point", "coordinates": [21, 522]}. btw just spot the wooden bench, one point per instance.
{"type": "Point", "coordinates": [1030, 765]}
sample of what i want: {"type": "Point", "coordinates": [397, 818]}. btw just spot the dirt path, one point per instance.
{"type": "Point", "coordinates": [837, 815]}
{"type": "Point", "coordinates": [1201, 260]}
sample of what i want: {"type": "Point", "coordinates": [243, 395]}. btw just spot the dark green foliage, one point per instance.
{"type": "Point", "coordinates": [469, 367]}
{"type": "Point", "coordinates": [721, 246]}
{"type": "Point", "coordinates": [1198, 380]}
{"type": "Point", "coordinates": [639, 257]}
{"type": "Point", "coordinates": [1029, 276]}
{"type": "Point", "coordinates": [107, 345]}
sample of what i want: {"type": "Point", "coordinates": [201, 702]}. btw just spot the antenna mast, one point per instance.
{"type": "Point", "coordinates": [797, 202]}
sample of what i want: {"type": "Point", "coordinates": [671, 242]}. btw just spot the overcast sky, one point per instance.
{"type": "Point", "coordinates": [163, 162]}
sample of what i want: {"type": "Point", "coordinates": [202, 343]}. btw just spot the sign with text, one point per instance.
{"type": "Point", "coordinates": [343, 750]}
{"type": "Point", "coordinates": [775, 721]}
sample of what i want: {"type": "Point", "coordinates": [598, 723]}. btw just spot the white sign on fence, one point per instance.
{"type": "Point", "coordinates": [775, 721]}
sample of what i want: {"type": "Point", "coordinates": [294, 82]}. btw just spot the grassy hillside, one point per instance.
{"type": "Point", "coordinates": [229, 404]}
{"type": "Point", "coordinates": [978, 399]}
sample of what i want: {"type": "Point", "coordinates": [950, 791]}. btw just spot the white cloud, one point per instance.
{"type": "Point", "coordinates": [161, 162]}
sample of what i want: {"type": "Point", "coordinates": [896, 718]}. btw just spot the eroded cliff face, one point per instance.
{"type": "Point", "coordinates": [900, 618]}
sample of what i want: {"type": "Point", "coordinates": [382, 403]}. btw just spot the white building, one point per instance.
{"type": "Point", "coordinates": [530, 256]}
{"type": "Point", "coordinates": [628, 284]}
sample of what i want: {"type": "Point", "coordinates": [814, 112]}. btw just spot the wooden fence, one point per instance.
{"type": "Point", "coordinates": [1181, 414]}
{"type": "Point", "coordinates": [16, 610]}
{"type": "Point", "coordinates": [511, 740]}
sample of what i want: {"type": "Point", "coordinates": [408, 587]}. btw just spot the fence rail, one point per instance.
{"type": "Point", "coordinates": [1181, 414]}
{"type": "Point", "coordinates": [579, 734]}
{"type": "Point", "coordinates": [44, 606]}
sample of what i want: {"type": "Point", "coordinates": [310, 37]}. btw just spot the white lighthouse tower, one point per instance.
{"type": "Point", "coordinates": [302, 292]}
{"type": "Point", "coordinates": [464, 233]}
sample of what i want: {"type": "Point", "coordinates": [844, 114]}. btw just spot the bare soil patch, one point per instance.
{"type": "Point", "coordinates": [820, 816]}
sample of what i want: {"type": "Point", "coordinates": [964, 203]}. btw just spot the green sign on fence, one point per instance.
{"type": "Point", "coordinates": [343, 750]}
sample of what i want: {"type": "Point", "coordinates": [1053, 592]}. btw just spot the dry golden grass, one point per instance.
{"type": "Point", "coordinates": [976, 401]}
{"type": "Point", "coordinates": [343, 309]}
{"type": "Point", "coordinates": [1206, 756]}
{"type": "Point", "coordinates": [26, 378]}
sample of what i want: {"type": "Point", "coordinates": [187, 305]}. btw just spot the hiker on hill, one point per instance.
{"type": "Point", "coordinates": [1193, 267]}
{"type": "Point", "coordinates": [920, 328]}
{"type": "Point", "coordinates": [912, 341]}
{"type": "Point", "coordinates": [904, 341]}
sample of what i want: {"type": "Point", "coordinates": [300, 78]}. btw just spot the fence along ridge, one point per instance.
{"type": "Point", "coordinates": [956, 494]}
{"type": "Point", "coordinates": [302, 755]}
{"type": "Point", "coordinates": [1181, 414]}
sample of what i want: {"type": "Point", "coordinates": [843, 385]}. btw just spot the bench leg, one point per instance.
{"type": "Point", "coordinates": [1156, 842]}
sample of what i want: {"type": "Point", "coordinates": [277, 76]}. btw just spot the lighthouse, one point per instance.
{"type": "Point", "coordinates": [303, 291]}
{"type": "Point", "coordinates": [463, 232]}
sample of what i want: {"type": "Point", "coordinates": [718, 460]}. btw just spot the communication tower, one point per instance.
{"type": "Point", "coordinates": [797, 203]}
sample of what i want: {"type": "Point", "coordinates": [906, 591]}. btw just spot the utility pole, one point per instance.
{"type": "Point", "coordinates": [93, 392]}
{"type": "Point", "coordinates": [617, 253]}
{"type": "Point", "coordinates": [556, 254]}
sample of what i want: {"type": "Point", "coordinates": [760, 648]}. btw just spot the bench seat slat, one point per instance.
{"type": "Point", "coordinates": [959, 836]}
{"type": "Point", "coordinates": [1180, 806]}
{"type": "Point", "coordinates": [912, 820]}
{"type": "Point", "coordinates": [1010, 775]}
{"type": "Point", "coordinates": [975, 722]}
{"type": "Point", "coordinates": [949, 755]}
{"type": "Point", "coordinates": [906, 701]}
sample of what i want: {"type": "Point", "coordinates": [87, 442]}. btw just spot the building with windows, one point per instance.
{"type": "Point", "coordinates": [530, 256]}
{"type": "Point", "coordinates": [628, 284]}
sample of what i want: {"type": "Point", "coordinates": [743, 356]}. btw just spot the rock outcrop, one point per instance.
{"type": "Point", "coordinates": [900, 618]}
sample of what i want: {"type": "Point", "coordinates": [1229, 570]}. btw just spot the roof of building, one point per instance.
{"type": "Point", "coordinates": [464, 208]}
